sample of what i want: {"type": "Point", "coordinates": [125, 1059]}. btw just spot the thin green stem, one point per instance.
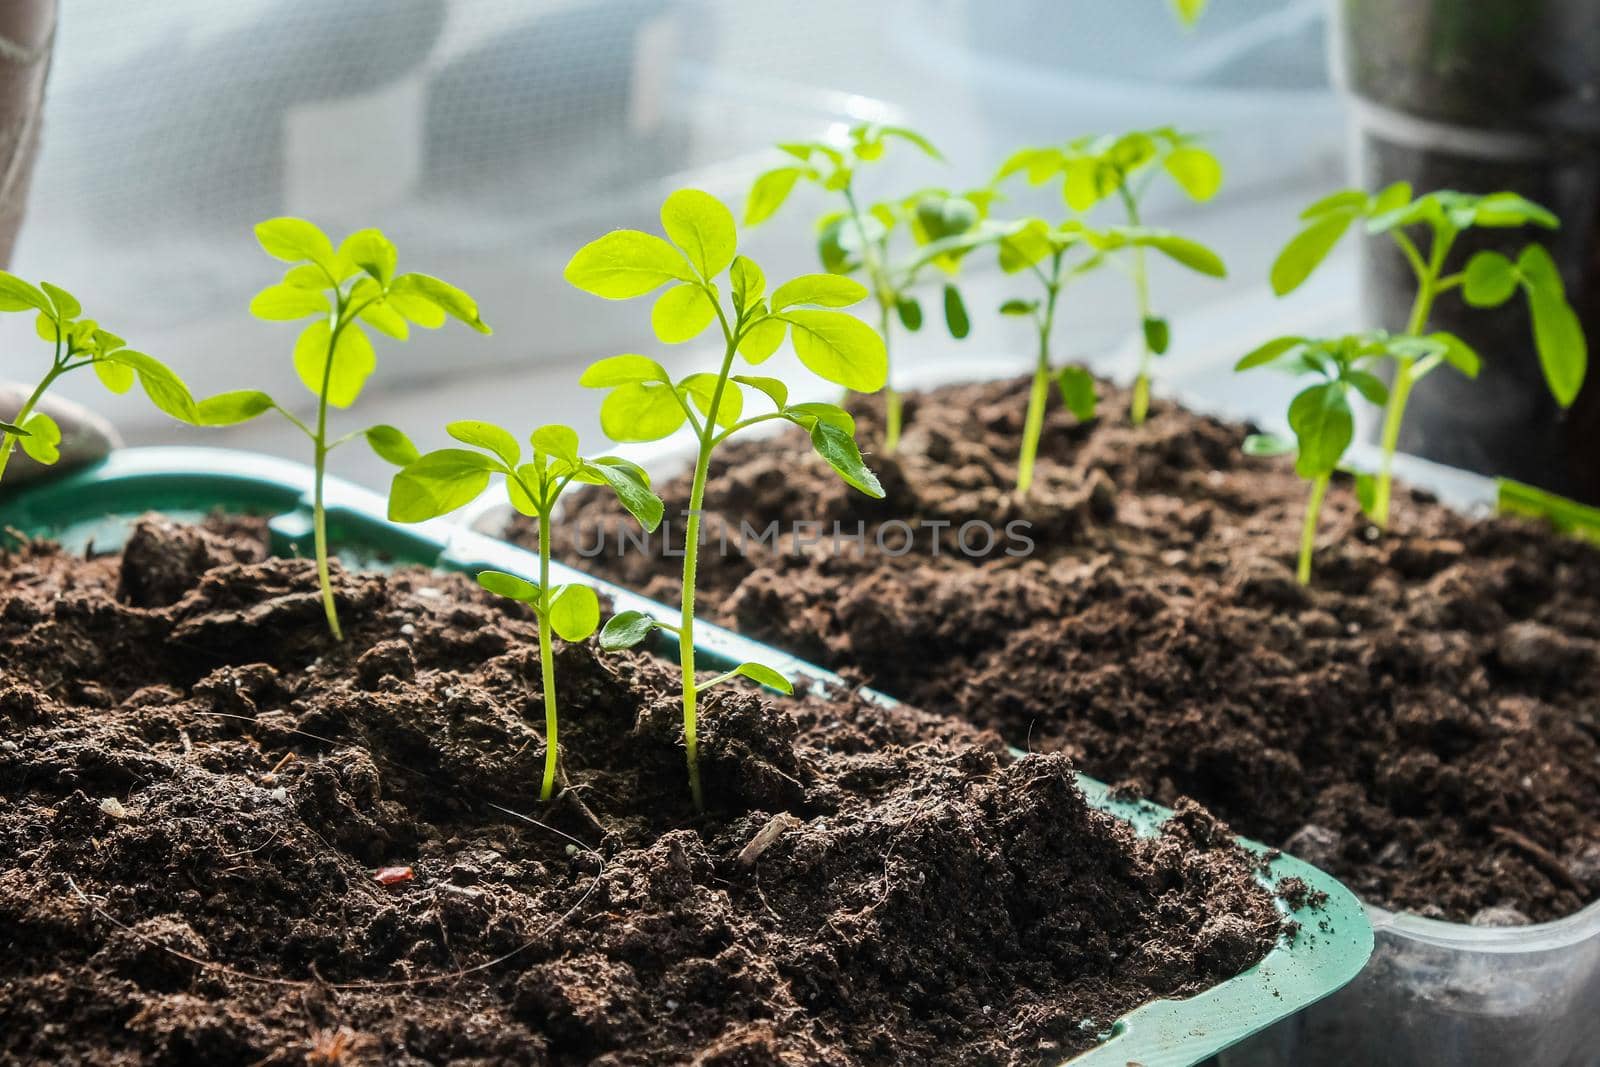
{"type": "Point", "coordinates": [1039, 396]}
{"type": "Point", "coordinates": [319, 514]}
{"type": "Point", "coordinates": [883, 292]}
{"type": "Point", "coordinates": [1139, 406]}
{"type": "Point", "coordinates": [1308, 533]}
{"type": "Point", "coordinates": [547, 662]}
{"type": "Point", "coordinates": [8, 443]}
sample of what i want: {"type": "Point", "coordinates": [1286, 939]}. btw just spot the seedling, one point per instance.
{"type": "Point", "coordinates": [442, 481]}
{"type": "Point", "coordinates": [1093, 169]}
{"type": "Point", "coordinates": [1320, 415]}
{"type": "Point", "coordinates": [1488, 280]}
{"type": "Point", "coordinates": [339, 290]}
{"type": "Point", "coordinates": [78, 343]}
{"type": "Point", "coordinates": [943, 226]}
{"type": "Point", "coordinates": [644, 403]}
{"type": "Point", "coordinates": [1034, 245]}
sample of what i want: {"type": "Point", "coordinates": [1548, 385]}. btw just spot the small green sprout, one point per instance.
{"type": "Point", "coordinates": [442, 481]}
{"type": "Point", "coordinates": [1320, 414]}
{"type": "Point", "coordinates": [943, 226]}
{"type": "Point", "coordinates": [340, 290]}
{"type": "Point", "coordinates": [79, 343]}
{"type": "Point", "coordinates": [1035, 246]}
{"type": "Point", "coordinates": [644, 403]}
{"type": "Point", "coordinates": [1564, 516]}
{"type": "Point", "coordinates": [1093, 169]}
{"type": "Point", "coordinates": [1488, 280]}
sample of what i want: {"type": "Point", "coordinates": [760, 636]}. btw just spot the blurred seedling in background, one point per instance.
{"type": "Point", "coordinates": [859, 239]}
{"type": "Point", "coordinates": [1035, 246]}
{"type": "Point", "coordinates": [78, 343]}
{"type": "Point", "coordinates": [1564, 516]}
{"type": "Point", "coordinates": [644, 403]}
{"type": "Point", "coordinates": [340, 291]}
{"type": "Point", "coordinates": [442, 481]}
{"type": "Point", "coordinates": [1488, 280]}
{"type": "Point", "coordinates": [1094, 169]}
{"type": "Point", "coordinates": [1320, 415]}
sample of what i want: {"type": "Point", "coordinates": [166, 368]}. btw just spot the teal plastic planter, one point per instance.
{"type": "Point", "coordinates": [91, 508]}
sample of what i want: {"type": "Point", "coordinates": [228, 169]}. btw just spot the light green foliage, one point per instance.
{"type": "Point", "coordinates": [343, 291]}
{"type": "Point", "coordinates": [1321, 416]}
{"type": "Point", "coordinates": [442, 481]}
{"type": "Point", "coordinates": [1124, 167]}
{"type": "Point", "coordinates": [1489, 279]}
{"type": "Point", "coordinates": [862, 239]}
{"type": "Point", "coordinates": [709, 282]}
{"type": "Point", "coordinates": [78, 342]}
{"type": "Point", "coordinates": [1189, 11]}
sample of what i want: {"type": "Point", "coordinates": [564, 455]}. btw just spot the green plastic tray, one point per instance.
{"type": "Point", "coordinates": [91, 508]}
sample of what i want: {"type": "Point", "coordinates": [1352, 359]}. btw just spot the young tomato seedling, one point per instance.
{"type": "Point", "coordinates": [645, 404]}
{"type": "Point", "coordinates": [1093, 169]}
{"type": "Point", "coordinates": [340, 290]}
{"type": "Point", "coordinates": [79, 343]}
{"type": "Point", "coordinates": [1035, 246]}
{"type": "Point", "coordinates": [1320, 415]}
{"type": "Point", "coordinates": [442, 481]}
{"type": "Point", "coordinates": [1489, 279]}
{"type": "Point", "coordinates": [856, 240]}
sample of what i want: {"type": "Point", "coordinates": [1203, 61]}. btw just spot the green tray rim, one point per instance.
{"type": "Point", "coordinates": [90, 507]}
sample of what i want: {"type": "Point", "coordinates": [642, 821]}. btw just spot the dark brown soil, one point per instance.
{"type": "Point", "coordinates": [1424, 721]}
{"type": "Point", "coordinates": [197, 787]}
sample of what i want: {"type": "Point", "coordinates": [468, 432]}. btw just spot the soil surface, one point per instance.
{"type": "Point", "coordinates": [202, 798]}
{"type": "Point", "coordinates": [1424, 721]}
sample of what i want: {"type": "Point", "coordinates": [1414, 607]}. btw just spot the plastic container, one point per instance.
{"type": "Point", "coordinates": [1479, 96]}
{"type": "Point", "coordinates": [92, 507]}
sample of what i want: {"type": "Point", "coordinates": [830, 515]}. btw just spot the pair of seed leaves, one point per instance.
{"type": "Point", "coordinates": [1096, 167]}
{"type": "Point", "coordinates": [644, 403]}
{"type": "Point", "coordinates": [1320, 415]}
{"type": "Point", "coordinates": [1489, 279]}
{"type": "Point", "coordinates": [344, 289]}
{"type": "Point", "coordinates": [81, 342]}
{"type": "Point", "coordinates": [449, 478]}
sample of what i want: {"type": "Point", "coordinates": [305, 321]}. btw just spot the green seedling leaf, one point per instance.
{"type": "Point", "coordinates": [227, 409]}
{"type": "Point", "coordinates": [613, 371]}
{"type": "Point", "coordinates": [438, 483]}
{"type": "Point", "coordinates": [1267, 444]}
{"type": "Point", "coordinates": [810, 413]}
{"type": "Point", "coordinates": [625, 264]}
{"type": "Point", "coordinates": [344, 376]}
{"type": "Point", "coordinates": [775, 390]}
{"type": "Point", "coordinates": [626, 629]}
{"type": "Point", "coordinates": [1196, 171]}
{"type": "Point", "coordinates": [18, 295]}
{"type": "Point", "coordinates": [1019, 307]}
{"type": "Point", "coordinates": [296, 240]}
{"type": "Point", "coordinates": [770, 191]}
{"type": "Point", "coordinates": [1270, 352]}
{"type": "Point", "coordinates": [1077, 392]}
{"type": "Point", "coordinates": [1458, 353]}
{"type": "Point", "coordinates": [372, 252]}
{"type": "Point", "coordinates": [700, 389]}
{"type": "Point", "coordinates": [1308, 249]}
{"type": "Point", "coordinates": [681, 314]}
{"type": "Point", "coordinates": [826, 290]}
{"type": "Point", "coordinates": [909, 311]}
{"type": "Point", "coordinates": [1157, 335]}
{"type": "Point", "coordinates": [1489, 280]}
{"type": "Point", "coordinates": [838, 448]}
{"type": "Point", "coordinates": [452, 301]}
{"type": "Point", "coordinates": [164, 388]}
{"type": "Point", "coordinates": [391, 445]}
{"type": "Point", "coordinates": [114, 376]}
{"type": "Point", "coordinates": [66, 305]}
{"type": "Point", "coordinates": [955, 313]}
{"type": "Point", "coordinates": [386, 320]}
{"type": "Point", "coordinates": [574, 612]}
{"type": "Point", "coordinates": [764, 675]}
{"type": "Point", "coordinates": [510, 586]}
{"type": "Point", "coordinates": [699, 225]}
{"type": "Point", "coordinates": [1565, 516]}
{"type": "Point", "coordinates": [1370, 386]}
{"type": "Point", "coordinates": [1557, 333]}
{"type": "Point", "coordinates": [1323, 425]}
{"type": "Point", "coordinates": [632, 486]}
{"type": "Point", "coordinates": [749, 283]}
{"type": "Point", "coordinates": [762, 340]}
{"type": "Point", "coordinates": [1025, 246]}
{"type": "Point", "coordinates": [41, 438]}
{"type": "Point", "coordinates": [286, 302]}
{"type": "Point", "coordinates": [556, 440]}
{"type": "Point", "coordinates": [489, 437]}
{"type": "Point", "coordinates": [1366, 487]}
{"type": "Point", "coordinates": [641, 411]}
{"type": "Point", "coordinates": [1191, 254]}
{"type": "Point", "coordinates": [839, 348]}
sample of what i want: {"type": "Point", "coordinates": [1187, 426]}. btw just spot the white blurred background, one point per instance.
{"type": "Point", "coordinates": [491, 138]}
